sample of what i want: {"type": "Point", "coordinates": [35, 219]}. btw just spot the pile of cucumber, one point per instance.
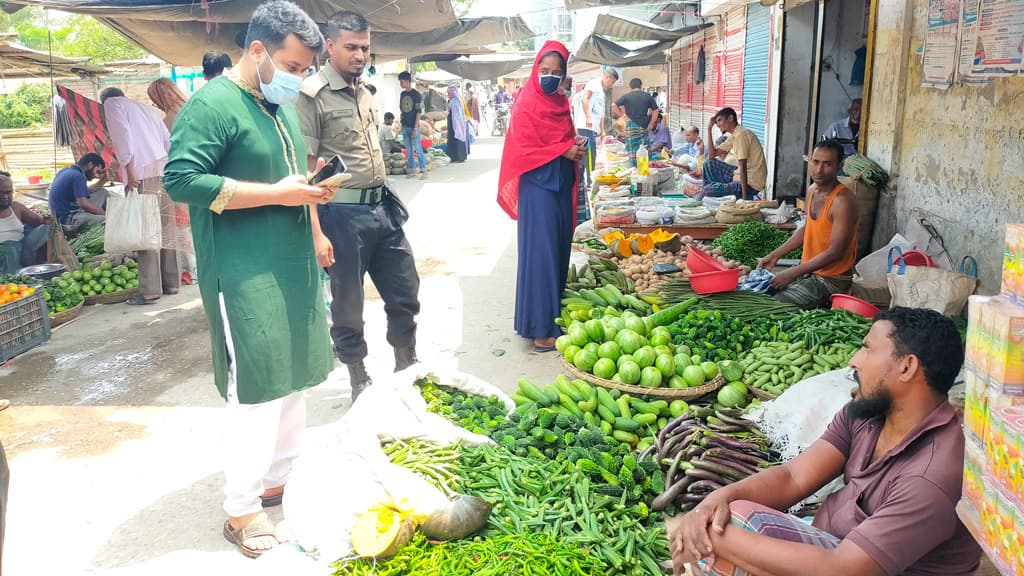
{"type": "Point", "coordinates": [775, 366]}
{"type": "Point", "coordinates": [627, 419]}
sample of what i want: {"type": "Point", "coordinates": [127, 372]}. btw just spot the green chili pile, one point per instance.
{"type": "Point", "coordinates": [820, 328]}
{"type": "Point", "coordinates": [717, 336]}
{"type": "Point", "coordinates": [749, 241]}
{"type": "Point", "coordinates": [526, 553]}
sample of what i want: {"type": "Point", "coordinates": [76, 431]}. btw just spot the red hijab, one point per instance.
{"type": "Point", "coordinates": [539, 131]}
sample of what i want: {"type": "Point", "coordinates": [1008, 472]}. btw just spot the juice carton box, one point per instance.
{"type": "Point", "coordinates": [976, 394]}
{"type": "Point", "coordinates": [975, 345]}
{"type": "Point", "coordinates": [990, 512]}
{"type": "Point", "coordinates": [1006, 354]}
{"type": "Point", "coordinates": [1006, 539]}
{"type": "Point", "coordinates": [1013, 261]}
{"type": "Point", "coordinates": [1018, 565]}
{"type": "Point", "coordinates": [1003, 447]}
{"type": "Point", "coordinates": [975, 466]}
{"type": "Point", "coordinates": [999, 517]}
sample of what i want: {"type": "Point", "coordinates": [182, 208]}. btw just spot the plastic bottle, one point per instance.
{"type": "Point", "coordinates": [643, 161]}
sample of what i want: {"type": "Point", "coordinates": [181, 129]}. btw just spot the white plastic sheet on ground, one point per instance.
{"type": "Point", "coordinates": [343, 471]}
{"type": "Point", "coordinates": [799, 417]}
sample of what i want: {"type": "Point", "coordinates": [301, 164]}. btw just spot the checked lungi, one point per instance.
{"type": "Point", "coordinates": [636, 135]}
{"type": "Point", "coordinates": [772, 523]}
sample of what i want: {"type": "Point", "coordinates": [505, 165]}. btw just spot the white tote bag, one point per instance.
{"type": "Point", "coordinates": [941, 290]}
{"type": "Point", "coordinates": [133, 223]}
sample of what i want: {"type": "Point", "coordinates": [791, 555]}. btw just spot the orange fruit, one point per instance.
{"type": "Point", "coordinates": [12, 287]}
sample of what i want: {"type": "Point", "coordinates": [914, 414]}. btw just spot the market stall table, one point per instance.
{"type": "Point", "coordinates": [695, 231]}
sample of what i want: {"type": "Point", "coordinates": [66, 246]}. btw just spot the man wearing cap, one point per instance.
{"type": "Point", "coordinates": [363, 222]}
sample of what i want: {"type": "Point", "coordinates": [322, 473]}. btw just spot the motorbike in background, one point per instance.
{"type": "Point", "coordinates": [501, 112]}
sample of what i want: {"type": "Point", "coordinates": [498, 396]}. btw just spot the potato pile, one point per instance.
{"type": "Point", "coordinates": [640, 269]}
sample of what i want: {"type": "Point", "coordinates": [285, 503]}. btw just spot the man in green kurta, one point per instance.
{"type": "Point", "coordinates": [236, 159]}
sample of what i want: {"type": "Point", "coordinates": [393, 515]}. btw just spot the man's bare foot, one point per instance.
{"type": "Point", "coordinates": [543, 342]}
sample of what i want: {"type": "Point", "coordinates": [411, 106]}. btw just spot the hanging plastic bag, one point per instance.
{"type": "Point", "coordinates": [941, 290]}
{"type": "Point", "coordinates": [799, 417]}
{"type": "Point", "coordinates": [60, 248]}
{"type": "Point", "coordinates": [133, 223]}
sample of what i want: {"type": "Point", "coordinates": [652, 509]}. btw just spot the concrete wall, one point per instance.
{"type": "Point", "coordinates": [844, 33]}
{"type": "Point", "coordinates": [794, 100]}
{"type": "Point", "coordinates": [954, 156]}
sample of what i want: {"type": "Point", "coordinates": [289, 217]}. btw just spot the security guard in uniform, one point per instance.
{"type": "Point", "coordinates": [362, 225]}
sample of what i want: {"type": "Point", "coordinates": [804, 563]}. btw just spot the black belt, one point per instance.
{"type": "Point", "coordinates": [358, 195]}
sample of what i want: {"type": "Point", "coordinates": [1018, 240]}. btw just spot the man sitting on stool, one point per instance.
{"type": "Point", "coordinates": [829, 238]}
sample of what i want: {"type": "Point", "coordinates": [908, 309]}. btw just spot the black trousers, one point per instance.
{"type": "Point", "coordinates": [367, 239]}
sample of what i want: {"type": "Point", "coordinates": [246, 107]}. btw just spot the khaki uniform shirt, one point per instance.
{"type": "Point", "coordinates": [340, 119]}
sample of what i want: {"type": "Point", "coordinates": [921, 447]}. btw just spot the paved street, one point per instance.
{"type": "Point", "coordinates": [113, 435]}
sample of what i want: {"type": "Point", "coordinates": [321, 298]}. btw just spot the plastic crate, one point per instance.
{"type": "Point", "coordinates": [24, 325]}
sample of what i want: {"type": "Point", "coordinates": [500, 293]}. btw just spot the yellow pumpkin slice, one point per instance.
{"type": "Point", "coordinates": [381, 532]}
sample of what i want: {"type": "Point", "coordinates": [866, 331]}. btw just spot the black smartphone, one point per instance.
{"type": "Point", "coordinates": [665, 268]}
{"type": "Point", "coordinates": [332, 168]}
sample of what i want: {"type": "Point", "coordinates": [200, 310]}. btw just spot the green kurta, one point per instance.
{"type": "Point", "coordinates": [260, 259]}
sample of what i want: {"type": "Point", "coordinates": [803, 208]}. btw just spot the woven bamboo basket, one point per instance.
{"type": "Point", "coordinates": [66, 316]}
{"type": "Point", "coordinates": [112, 298]}
{"type": "Point", "coordinates": [673, 393]}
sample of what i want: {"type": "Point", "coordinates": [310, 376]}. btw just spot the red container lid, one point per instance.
{"type": "Point", "coordinates": [855, 305]}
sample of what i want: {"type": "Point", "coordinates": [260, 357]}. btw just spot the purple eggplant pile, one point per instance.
{"type": "Point", "coordinates": [703, 450]}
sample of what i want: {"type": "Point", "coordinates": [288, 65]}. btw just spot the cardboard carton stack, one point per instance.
{"type": "Point", "coordinates": [994, 413]}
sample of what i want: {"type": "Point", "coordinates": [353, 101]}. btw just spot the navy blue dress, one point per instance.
{"type": "Point", "coordinates": [545, 236]}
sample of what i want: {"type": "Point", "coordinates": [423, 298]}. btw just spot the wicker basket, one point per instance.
{"type": "Point", "coordinates": [673, 393]}
{"type": "Point", "coordinates": [112, 298]}
{"type": "Point", "coordinates": [66, 316]}
{"type": "Point", "coordinates": [758, 393]}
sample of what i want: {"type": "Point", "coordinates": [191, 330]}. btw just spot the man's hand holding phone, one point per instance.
{"type": "Point", "coordinates": [329, 176]}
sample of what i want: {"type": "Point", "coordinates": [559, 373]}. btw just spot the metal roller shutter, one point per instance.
{"type": "Point", "coordinates": [730, 62]}
{"type": "Point", "coordinates": [756, 59]}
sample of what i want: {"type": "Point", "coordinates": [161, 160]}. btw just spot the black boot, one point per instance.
{"type": "Point", "coordinates": [405, 356]}
{"type": "Point", "coordinates": [359, 378]}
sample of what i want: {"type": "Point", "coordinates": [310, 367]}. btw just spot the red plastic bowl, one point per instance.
{"type": "Point", "coordinates": [699, 262]}
{"type": "Point", "coordinates": [855, 305]}
{"type": "Point", "coordinates": [714, 282]}
{"type": "Point", "coordinates": [915, 258]}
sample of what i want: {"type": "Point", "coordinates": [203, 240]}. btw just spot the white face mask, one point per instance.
{"type": "Point", "coordinates": [283, 87]}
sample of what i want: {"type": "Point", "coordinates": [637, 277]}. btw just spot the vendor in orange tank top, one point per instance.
{"type": "Point", "coordinates": [829, 237]}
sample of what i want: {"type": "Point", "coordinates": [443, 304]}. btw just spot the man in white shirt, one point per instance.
{"type": "Point", "coordinates": [389, 143]}
{"type": "Point", "coordinates": [588, 111]}
{"type": "Point", "coordinates": [141, 142]}
{"type": "Point", "coordinates": [847, 130]}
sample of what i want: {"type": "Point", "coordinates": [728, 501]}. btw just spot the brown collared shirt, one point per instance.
{"type": "Point", "coordinates": [338, 118]}
{"type": "Point", "coordinates": [899, 509]}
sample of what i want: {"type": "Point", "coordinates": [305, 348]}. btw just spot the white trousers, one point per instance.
{"type": "Point", "coordinates": [260, 441]}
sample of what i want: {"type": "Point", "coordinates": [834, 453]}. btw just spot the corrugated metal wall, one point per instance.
{"type": "Point", "coordinates": [694, 104]}
{"type": "Point", "coordinates": [756, 58]}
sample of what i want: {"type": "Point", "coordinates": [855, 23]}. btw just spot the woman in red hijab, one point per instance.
{"type": "Point", "coordinates": [537, 186]}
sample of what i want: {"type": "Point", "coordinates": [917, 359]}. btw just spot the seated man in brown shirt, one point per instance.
{"type": "Point", "coordinates": [901, 450]}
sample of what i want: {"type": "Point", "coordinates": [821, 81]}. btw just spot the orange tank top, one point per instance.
{"type": "Point", "coordinates": [818, 234]}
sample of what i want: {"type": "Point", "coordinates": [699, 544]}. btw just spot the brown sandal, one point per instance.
{"type": "Point", "coordinates": [257, 529]}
